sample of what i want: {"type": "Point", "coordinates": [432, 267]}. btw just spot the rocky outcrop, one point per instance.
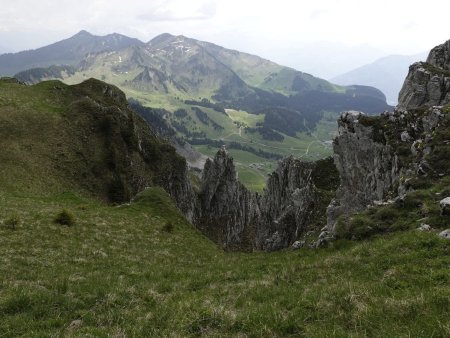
{"type": "Point", "coordinates": [378, 156]}
{"type": "Point", "coordinates": [227, 210]}
{"type": "Point", "coordinates": [440, 56]}
{"type": "Point", "coordinates": [236, 218]}
{"type": "Point", "coordinates": [428, 83]}
{"type": "Point", "coordinates": [287, 205]}
{"type": "Point", "coordinates": [368, 167]}
{"type": "Point", "coordinates": [134, 156]}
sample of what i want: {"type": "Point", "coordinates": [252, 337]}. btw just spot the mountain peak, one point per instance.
{"type": "Point", "coordinates": [161, 38]}
{"type": "Point", "coordinates": [83, 33]}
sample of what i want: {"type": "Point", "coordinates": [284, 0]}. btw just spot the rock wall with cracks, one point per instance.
{"type": "Point", "coordinates": [238, 219]}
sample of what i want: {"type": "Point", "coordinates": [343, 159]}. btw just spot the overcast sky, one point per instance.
{"type": "Point", "coordinates": [319, 36]}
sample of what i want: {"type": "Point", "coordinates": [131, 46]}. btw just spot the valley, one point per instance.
{"type": "Point", "coordinates": [262, 111]}
{"type": "Point", "coordinates": [177, 188]}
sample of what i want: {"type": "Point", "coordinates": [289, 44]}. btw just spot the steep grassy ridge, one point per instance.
{"type": "Point", "coordinates": [81, 137]}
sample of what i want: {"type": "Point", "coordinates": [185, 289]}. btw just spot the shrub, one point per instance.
{"type": "Point", "coordinates": [357, 227]}
{"type": "Point", "coordinates": [12, 222]}
{"type": "Point", "coordinates": [419, 183]}
{"type": "Point", "coordinates": [387, 214]}
{"type": "Point", "coordinates": [361, 227]}
{"type": "Point", "coordinates": [168, 227]}
{"type": "Point", "coordinates": [65, 217]}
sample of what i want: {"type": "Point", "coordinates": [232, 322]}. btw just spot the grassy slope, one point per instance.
{"type": "Point", "coordinates": [120, 273]}
{"type": "Point", "coordinates": [140, 270]}
{"type": "Point", "coordinates": [74, 136]}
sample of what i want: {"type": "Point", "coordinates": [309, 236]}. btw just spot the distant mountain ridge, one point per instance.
{"type": "Point", "coordinates": [213, 96]}
{"type": "Point", "coordinates": [66, 52]}
{"type": "Point", "coordinates": [181, 67]}
{"type": "Point", "coordinates": [386, 74]}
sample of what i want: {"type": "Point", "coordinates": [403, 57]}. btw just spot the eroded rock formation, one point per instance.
{"type": "Point", "coordinates": [290, 206]}
{"type": "Point", "coordinates": [428, 83]}
{"type": "Point", "coordinates": [368, 167]}
{"type": "Point", "coordinates": [377, 156]}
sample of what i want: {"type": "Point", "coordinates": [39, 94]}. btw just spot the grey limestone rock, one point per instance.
{"type": "Point", "coordinates": [227, 209]}
{"type": "Point", "coordinates": [445, 234]}
{"type": "Point", "coordinates": [368, 169]}
{"type": "Point", "coordinates": [424, 227]}
{"type": "Point", "coordinates": [440, 56]}
{"type": "Point", "coordinates": [445, 206]}
{"type": "Point", "coordinates": [297, 245]}
{"type": "Point", "coordinates": [428, 83]}
{"type": "Point", "coordinates": [239, 219]}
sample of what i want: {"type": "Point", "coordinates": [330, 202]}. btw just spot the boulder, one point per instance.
{"type": "Point", "coordinates": [297, 245]}
{"type": "Point", "coordinates": [445, 234]}
{"type": "Point", "coordinates": [424, 227]}
{"type": "Point", "coordinates": [445, 206]}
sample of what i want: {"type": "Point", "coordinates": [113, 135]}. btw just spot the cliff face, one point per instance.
{"type": "Point", "coordinates": [428, 83]}
{"type": "Point", "coordinates": [227, 210]}
{"type": "Point", "coordinates": [286, 206]}
{"type": "Point", "coordinates": [236, 218]}
{"type": "Point", "coordinates": [133, 156]}
{"type": "Point", "coordinates": [377, 156]}
{"type": "Point", "coordinates": [368, 167]}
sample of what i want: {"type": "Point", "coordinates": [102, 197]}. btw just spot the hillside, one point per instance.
{"type": "Point", "coordinates": [139, 269]}
{"type": "Point", "coordinates": [120, 271]}
{"type": "Point", "coordinates": [386, 74]}
{"type": "Point", "coordinates": [83, 138]}
{"type": "Point", "coordinates": [66, 52]}
{"type": "Point", "coordinates": [214, 96]}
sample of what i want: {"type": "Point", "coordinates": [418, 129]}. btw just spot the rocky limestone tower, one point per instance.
{"type": "Point", "coordinates": [287, 205]}
{"type": "Point", "coordinates": [227, 209]}
{"type": "Point", "coordinates": [376, 155]}
{"type": "Point", "coordinates": [428, 83]}
{"type": "Point", "coordinates": [239, 219]}
{"type": "Point", "coordinates": [367, 166]}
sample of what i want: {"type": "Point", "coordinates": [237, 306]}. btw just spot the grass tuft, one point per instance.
{"type": "Point", "coordinates": [12, 222]}
{"type": "Point", "coordinates": [168, 227]}
{"type": "Point", "coordinates": [65, 217]}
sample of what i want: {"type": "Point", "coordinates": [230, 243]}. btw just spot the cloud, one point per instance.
{"type": "Point", "coordinates": [317, 14]}
{"type": "Point", "coordinates": [175, 10]}
{"type": "Point", "coordinates": [411, 25]}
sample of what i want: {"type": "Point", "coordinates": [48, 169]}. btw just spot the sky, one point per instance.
{"type": "Point", "coordinates": [323, 37]}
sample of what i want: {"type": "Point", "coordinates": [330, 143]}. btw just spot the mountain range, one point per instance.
{"type": "Point", "coordinates": [209, 94]}
{"type": "Point", "coordinates": [386, 74]}
{"type": "Point", "coordinates": [178, 65]}
{"type": "Point", "coordinates": [69, 52]}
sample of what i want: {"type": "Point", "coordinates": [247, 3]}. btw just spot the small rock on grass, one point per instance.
{"type": "Point", "coordinates": [445, 234]}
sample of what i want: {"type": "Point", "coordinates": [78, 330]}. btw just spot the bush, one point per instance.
{"type": "Point", "coordinates": [12, 222]}
{"type": "Point", "coordinates": [168, 227]}
{"type": "Point", "coordinates": [361, 227]}
{"type": "Point", "coordinates": [65, 217]}
{"type": "Point", "coordinates": [387, 214]}
{"type": "Point", "coordinates": [419, 183]}
{"type": "Point", "coordinates": [357, 227]}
